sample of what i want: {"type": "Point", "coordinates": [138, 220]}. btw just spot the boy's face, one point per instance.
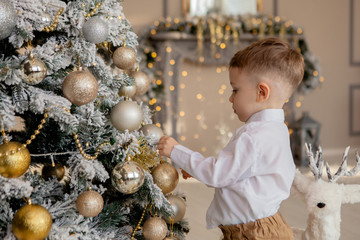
{"type": "Point", "coordinates": [243, 97]}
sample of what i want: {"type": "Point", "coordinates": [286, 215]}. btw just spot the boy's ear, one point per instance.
{"type": "Point", "coordinates": [263, 92]}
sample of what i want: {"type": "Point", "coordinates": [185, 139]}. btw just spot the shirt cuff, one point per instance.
{"type": "Point", "coordinates": [179, 156]}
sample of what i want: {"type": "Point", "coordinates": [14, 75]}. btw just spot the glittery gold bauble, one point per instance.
{"type": "Point", "coordinates": [127, 177]}
{"type": "Point", "coordinates": [33, 70]}
{"type": "Point", "coordinates": [31, 222]}
{"type": "Point", "coordinates": [142, 82]}
{"type": "Point", "coordinates": [154, 228]}
{"type": "Point", "coordinates": [80, 87]}
{"type": "Point", "coordinates": [14, 159]}
{"type": "Point", "coordinates": [127, 91]}
{"type": "Point", "coordinates": [165, 177]}
{"type": "Point", "coordinates": [89, 203]}
{"type": "Point", "coordinates": [153, 132]}
{"type": "Point", "coordinates": [179, 207]}
{"type": "Point", "coordinates": [124, 57]}
{"type": "Point", "coordinates": [49, 171]}
{"type": "Point", "coordinates": [126, 115]}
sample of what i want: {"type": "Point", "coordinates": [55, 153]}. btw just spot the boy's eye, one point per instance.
{"type": "Point", "coordinates": [234, 90]}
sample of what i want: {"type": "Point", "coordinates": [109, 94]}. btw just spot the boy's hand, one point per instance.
{"type": "Point", "coordinates": [185, 174]}
{"type": "Point", "coordinates": [166, 145]}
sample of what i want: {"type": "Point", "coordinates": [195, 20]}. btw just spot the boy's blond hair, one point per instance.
{"type": "Point", "coordinates": [271, 56]}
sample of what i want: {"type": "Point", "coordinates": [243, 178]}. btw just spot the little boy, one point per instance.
{"type": "Point", "coordinates": [253, 174]}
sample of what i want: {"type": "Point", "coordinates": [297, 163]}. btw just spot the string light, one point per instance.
{"type": "Point", "coordinates": [168, 49]}
{"type": "Point", "coordinates": [172, 62]}
{"type": "Point", "coordinates": [183, 138]}
{"type": "Point", "coordinates": [172, 88]}
{"type": "Point", "coordinates": [182, 85]}
{"type": "Point", "coordinates": [196, 136]}
{"type": "Point", "coordinates": [171, 73]}
{"type": "Point", "coordinates": [184, 73]}
{"type": "Point", "coordinates": [182, 113]}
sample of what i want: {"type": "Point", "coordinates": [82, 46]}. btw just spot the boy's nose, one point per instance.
{"type": "Point", "coordinates": [231, 99]}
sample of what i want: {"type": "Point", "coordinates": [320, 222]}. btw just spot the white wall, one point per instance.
{"type": "Point", "coordinates": [326, 25]}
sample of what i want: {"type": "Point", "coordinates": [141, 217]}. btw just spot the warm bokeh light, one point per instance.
{"type": "Point", "coordinates": [184, 73]}
{"type": "Point", "coordinates": [172, 88]}
{"type": "Point", "coordinates": [168, 49]}
{"type": "Point", "coordinates": [182, 114]}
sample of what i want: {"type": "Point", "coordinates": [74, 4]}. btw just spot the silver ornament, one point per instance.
{"type": "Point", "coordinates": [95, 30]}
{"type": "Point", "coordinates": [127, 91]}
{"type": "Point", "coordinates": [179, 207]}
{"type": "Point", "coordinates": [155, 228]}
{"type": "Point", "coordinates": [8, 18]}
{"type": "Point", "coordinates": [124, 57]}
{"type": "Point", "coordinates": [89, 203]}
{"type": "Point", "coordinates": [153, 132]}
{"type": "Point", "coordinates": [33, 70]}
{"type": "Point", "coordinates": [142, 82]}
{"type": "Point", "coordinates": [127, 177]}
{"type": "Point", "coordinates": [80, 87]}
{"type": "Point", "coordinates": [126, 115]}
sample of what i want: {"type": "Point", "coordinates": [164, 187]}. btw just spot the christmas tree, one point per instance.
{"type": "Point", "coordinates": [78, 147]}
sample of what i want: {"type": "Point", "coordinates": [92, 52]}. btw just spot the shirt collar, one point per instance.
{"type": "Point", "coordinates": [268, 115]}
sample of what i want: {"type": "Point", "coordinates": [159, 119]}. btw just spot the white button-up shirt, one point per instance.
{"type": "Point", "coordinates": [252, 175]}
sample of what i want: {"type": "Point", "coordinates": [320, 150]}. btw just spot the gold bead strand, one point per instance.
{"type": "Point", "coordinates": [139, 223]}
{"type": "Point", "coordinates": [83, 153]}
{"type": "Point", "coordinates": [29, 141]}
{"type": "Point", "coordinates": [92, 12]}
{"type": "Point", "coordinates": [52, 26]}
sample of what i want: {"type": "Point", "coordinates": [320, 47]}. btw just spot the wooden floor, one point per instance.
{"type": "Point", "coordinates": [293, 209]}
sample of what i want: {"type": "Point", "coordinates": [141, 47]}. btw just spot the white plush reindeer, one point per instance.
{"type": "Point", "coordinates": [323, 199]}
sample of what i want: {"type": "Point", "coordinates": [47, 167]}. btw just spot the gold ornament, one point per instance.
{"type": "Point", "coordinates": [146, 158]}
{"type": "Point", "coordinates": [127, 177]}
{"type": "Point", "coordinates": [153, 132]}
{"type": "Point", "coordinates": [165, 176]}
{"type": "Point", "coordinates": [14, 159]}
{"type": "Point", "coordinates": [31, 222]}
{"type": "Point", "coordinates": [127, 91]}
{"type": "Point", "coordinates": [80, 87]}
{"type": "Point", "coordinates": [89, 203]}
{"type": "Point", "coordinates": [155, 228]}
{"type": "Point", "coordinates": [58, 170]}
{"type": "Point", "coordinates": [126, 115]}
{"type": "Point", "coordinates": [142, 82]}
{"type": "Point", "coordinates": [33, 70]}
{"type": "Point", "coordinates": [179, 207]}
{"type": "Point", "coordinates": [124, 57]}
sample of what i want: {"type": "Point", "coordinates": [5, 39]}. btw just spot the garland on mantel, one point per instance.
{"type": "Point", "coordinates": [221, 32]}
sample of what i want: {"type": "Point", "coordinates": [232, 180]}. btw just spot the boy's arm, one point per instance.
{"type": "Point", "coordinates": [233, 162]}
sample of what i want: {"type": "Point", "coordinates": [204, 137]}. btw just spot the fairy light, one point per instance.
{"type": "Point", "coordinates": [203, 149]}
{"type": "Point", "coordinates": [199, 96]}
{"type": "Point", "coordinates": [222, 45]}
{"type": "Point", "coordinates": [176, 20]}
{"type": "Point", "coordinates": [198, 117]}
{"type": "Point", "coordinates": [221, 91]}
{"type": "Point", "coordinates": [182, 85]}
{"type": "Point", "coordinates": [168, 49]}
{"type": "Point", "coordinates": [167, 103]}
{"type": "Point", "coordinates": [158, 82]}
{"type": "Point", "coordinates": [183, 138]}
{"type": "Point", "coordinates": [172, 62]}
{"type": "Point", "coordinates": [158, 124]}
{"type": "Point", "coordinates": [181, 113]}
{"type": "Point", "coordinates": [153, 32]}
{"type": "Point", "coordinates": [277, 19]}
{"type": "Point", "coordinates": [150, 65]}
{"type": "Point", "coordinates": [223, 68]}
{"type": "Point", "coordinates": [156, 23]}
{"type": "Point", "coordinates": [184, 73]}
{"type": "Point", "coordinates": [217, 55]}
{"type": "Point", "coordinates": [201, 59]}
{"type": "Point", "coordinates": [171, 73]}
{"type": "Point", "coordinates": [321, 79]}
{"type": "Point", "coordinates": [172, 88]}
{"type": "Point", "coordinates": [158, 108]}
{"type": "Point", "coordinates": [223, 86]}
{"type": "Point", "coordinates": [315, 73]}
{"type": "Point", "coordinates": [298, 104]}
{"type": "Point", "coordinates": [299, 31]}
{"type": "Point", "coordinates": [218, 70]}
{"type": "Point", "coordinates": [196, 136]}
{"type": "Point", "coordinates": [153, 54]}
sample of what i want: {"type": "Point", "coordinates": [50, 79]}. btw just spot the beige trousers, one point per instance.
{"type": "Point", "coordinates": [270, 228]}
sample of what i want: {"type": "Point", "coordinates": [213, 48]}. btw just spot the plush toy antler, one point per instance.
{"type": "Point", "coordinates": [323, 199]}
